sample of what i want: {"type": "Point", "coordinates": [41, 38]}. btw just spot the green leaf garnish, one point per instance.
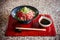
{"type": "Point", "coordinates": [25, 10]}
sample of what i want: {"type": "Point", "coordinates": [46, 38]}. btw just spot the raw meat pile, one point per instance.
{"type": "Point", "coordinates": [27, 15]}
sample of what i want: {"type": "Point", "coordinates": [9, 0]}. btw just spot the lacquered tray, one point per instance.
{"type": "Point", "coordinates": [50, 31]}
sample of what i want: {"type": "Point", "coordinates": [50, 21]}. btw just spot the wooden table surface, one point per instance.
{"type": "Point", "coordinates": [51, 7]}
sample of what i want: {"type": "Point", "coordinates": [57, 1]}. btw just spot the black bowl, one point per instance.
{"type": "Point", "coordinates": [14, 11]}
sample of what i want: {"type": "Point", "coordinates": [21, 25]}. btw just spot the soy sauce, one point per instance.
{"type": "Point", "coordinates": [45, 22]}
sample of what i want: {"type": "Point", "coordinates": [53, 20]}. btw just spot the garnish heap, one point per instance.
{"type": "Point", "coordinates": [25, 10]}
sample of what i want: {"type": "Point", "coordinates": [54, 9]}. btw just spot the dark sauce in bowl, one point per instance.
{"type": "Point", "coordinates": [45, 22]}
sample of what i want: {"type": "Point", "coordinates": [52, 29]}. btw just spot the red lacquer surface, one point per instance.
{"type": "Point", "coordinates": [50, 31]}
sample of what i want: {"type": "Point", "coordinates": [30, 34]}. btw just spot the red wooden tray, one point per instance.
{"type": "Point", "coordinates": [50, 31]}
